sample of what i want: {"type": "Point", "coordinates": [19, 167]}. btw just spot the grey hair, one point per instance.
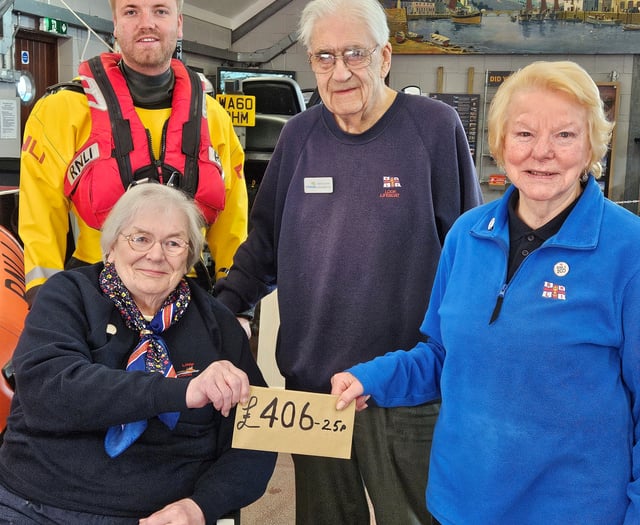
{"type": "Point", "coordinates": [159, 198]}
{"type": "Point", "coordinates": [369, 12]}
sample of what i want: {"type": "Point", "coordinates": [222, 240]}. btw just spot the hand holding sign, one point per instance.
{"type": "Point", "coordinates": [295, 422]}
{"type": "Point", "coordinates": [221, 384]}
{"type": "Point", "coordinates": [348, 388]}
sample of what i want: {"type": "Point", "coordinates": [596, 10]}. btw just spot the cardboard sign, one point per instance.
{"type": "Point", "coordinates": [295, 422]}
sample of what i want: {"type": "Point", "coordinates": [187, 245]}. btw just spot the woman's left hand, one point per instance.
{"type": "Point", "coordinates": [222, 384]}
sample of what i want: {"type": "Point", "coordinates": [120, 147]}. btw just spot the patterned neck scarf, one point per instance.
{"type": "Point", "coordinates": [150, 354]}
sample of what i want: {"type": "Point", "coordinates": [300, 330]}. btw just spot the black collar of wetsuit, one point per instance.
{"type": "Point", "coordinates": [149, 91]}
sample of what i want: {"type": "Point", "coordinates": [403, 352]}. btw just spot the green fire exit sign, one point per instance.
{"type": "Point", "coordinates": [51, 25]}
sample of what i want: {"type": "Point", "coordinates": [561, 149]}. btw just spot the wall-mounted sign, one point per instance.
{"type": "Point", "coordinates": [495, 78]}
{"type": "Point", "coordinates": [467, 107]}
{"type": "Point", "coordinates": [51, 25]}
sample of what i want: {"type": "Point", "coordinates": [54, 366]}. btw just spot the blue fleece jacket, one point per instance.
{"type": "Point", "coordinates": [539, 416]}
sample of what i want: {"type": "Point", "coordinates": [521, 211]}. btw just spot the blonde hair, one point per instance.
{"type": "Point", "coordinates": [562, 76]}
{"type": "Point", "coordinates": [179, 3]}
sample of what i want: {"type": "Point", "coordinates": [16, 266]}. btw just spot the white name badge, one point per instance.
{"type": "Point", "coordinates": [318, 185]}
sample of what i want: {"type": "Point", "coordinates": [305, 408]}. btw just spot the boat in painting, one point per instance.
{"type": "Point", "coordinates": [440, 40]}
{"type": "Point", "coordinates": [463, 14]}
{"type": "Point", "coordinates": [403, 36]}
{"type": "Point", "coordinates": [631, 27]}
{"type": "Point", "coordinates": [601, 20]}
{"type": "Point", "coordinates": [466, 17]}
{"type": "Point", "coordinates": [525, 17]}
{"type": "Point", "coordinates": [528, 14]}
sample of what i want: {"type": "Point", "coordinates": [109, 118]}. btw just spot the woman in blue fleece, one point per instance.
{"type": "Point", "coordinates": [533, 332]}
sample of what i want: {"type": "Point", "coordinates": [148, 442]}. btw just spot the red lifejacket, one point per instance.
{"type": "Point", "coordinates": [118, 152]}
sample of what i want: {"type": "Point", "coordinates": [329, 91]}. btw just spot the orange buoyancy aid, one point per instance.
{"type": "Point", "coordinates": [118, 150]}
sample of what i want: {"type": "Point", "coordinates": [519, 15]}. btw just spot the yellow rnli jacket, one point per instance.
{"type": "Point", "coordinates": [58, 126]}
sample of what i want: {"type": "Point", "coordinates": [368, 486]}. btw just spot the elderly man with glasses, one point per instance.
{"type": "Point", "coordinates": [348, 225]}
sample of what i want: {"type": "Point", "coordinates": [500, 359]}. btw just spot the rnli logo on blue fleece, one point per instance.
{"type": "Point", "coordinates": [554, 291]}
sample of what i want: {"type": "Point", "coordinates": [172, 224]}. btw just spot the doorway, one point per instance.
{"type": "Point", "coordinates": [40, 52]}
{"type": "Point", "coordinates": [37, 53]}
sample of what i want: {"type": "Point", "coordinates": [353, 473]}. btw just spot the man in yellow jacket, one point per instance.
{"type": "Point", "coordinates": [61, 144]}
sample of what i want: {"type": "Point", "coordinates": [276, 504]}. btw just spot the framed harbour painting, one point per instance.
{"type": "Point", "coordinates": [514, 26]}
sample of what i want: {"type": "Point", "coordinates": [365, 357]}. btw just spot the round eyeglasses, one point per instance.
{"type": "Point", "coordinates": [143, 242]}
{"type": "Point", "coordinates": [356, 58]}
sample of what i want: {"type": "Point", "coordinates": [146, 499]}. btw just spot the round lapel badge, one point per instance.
{"type": "Point", "coordinates": [561, 269]}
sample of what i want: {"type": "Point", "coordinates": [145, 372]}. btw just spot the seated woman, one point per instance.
{"type": "Point", "coordinates": [127, 375]}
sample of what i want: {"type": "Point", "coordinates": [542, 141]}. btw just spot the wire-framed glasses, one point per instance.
{"type": "Point", "coordinates": [143, 242]}
{"type": "Point", "coordinates": [356, 58]}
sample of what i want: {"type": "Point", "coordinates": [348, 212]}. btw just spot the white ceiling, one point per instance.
{"type": "Point", "coordinates": [230, 14]}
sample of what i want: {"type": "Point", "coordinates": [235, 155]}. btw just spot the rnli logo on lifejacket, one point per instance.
{"type": "Point", "coordinates": [94, 95]}
{"type": "Point", "coordinates": [214, 157]}
{"type": "Point", "coordinates": [81, 161]}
